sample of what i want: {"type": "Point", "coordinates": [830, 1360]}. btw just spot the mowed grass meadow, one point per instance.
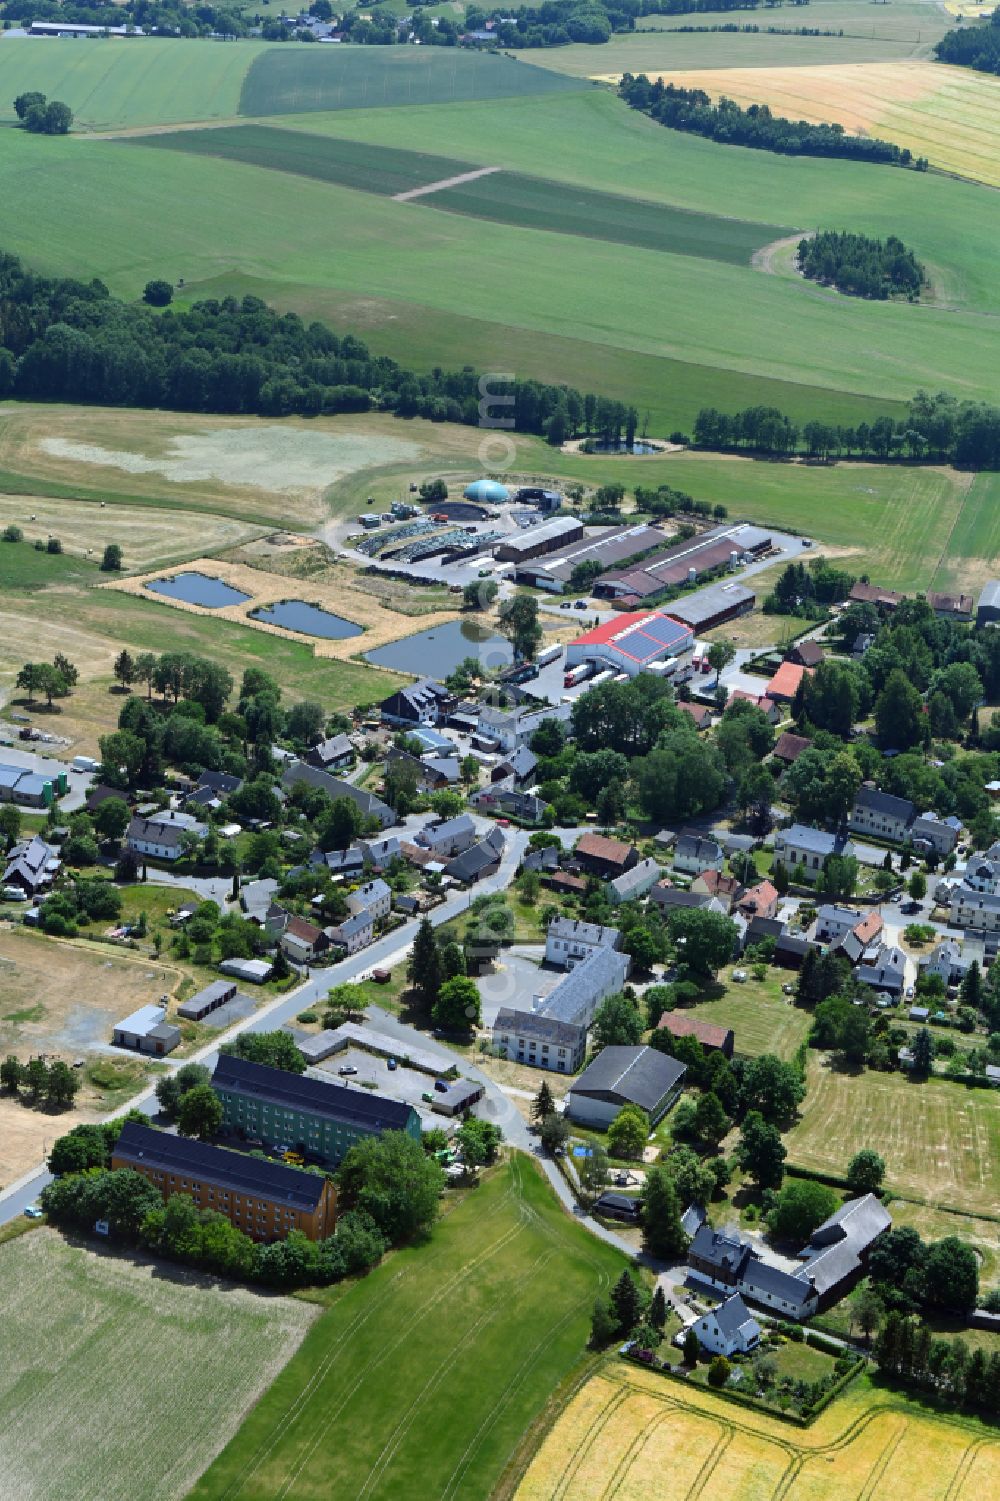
{"type": "Point", "coordinates": [630, 1433]}
{"type": "Point", "coordinates": [120, 1380]}
{"type": "Point", "coordinates": [940, 1141]}
{"type": "Point", "coordinates": [422, 1380]}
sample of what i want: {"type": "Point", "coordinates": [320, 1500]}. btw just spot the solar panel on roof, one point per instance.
{"type": "Point", "coordinates": [664, 631]}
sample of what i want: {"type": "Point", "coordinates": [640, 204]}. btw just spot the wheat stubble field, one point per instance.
{"type": "Point", "coordinates": [627, 1425]}
{"type": "Point", "coordinates": [120, 1379]}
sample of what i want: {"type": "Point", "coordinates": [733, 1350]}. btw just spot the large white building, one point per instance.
{"type": "Point", "coordinates": [634, 644]}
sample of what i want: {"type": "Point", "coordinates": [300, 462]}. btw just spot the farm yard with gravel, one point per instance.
{"type": "Point", "coordinates": [627, 1425]}
{"type": "Point", "coordinates": [121, 1377]}
{"type": "Point", "coordinates": [940, 1142]}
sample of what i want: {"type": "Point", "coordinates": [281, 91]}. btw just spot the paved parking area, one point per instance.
{"type": "Point", "coordinates": [515, 981]}
{"type": "Point", "coordinates": [233, 1011]}
{"type": "Point", "coordinates": [400, 1083]}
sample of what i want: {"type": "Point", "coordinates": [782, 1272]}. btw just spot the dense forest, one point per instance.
{"type": "Point", "coordinates": [935, 427]}
{"type": "Point", "coordinates": [692, 110]}
{"type": "Point", "coordinates": [860, 265]}
{"type": "Point", "coordinates": [973, 46]}
{"type": "Point", "coordinates": [66, 340]}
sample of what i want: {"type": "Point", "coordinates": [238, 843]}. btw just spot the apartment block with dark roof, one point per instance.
{"type": "Point", "coordinates": [266, 1200]}
{"type": "Point", "coordinates": [315, 1116]}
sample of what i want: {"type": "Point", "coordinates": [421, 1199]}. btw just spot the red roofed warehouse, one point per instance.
{"type": "Point", "coordinates": [640, 643]}
{"type": "Point", "coordinates": [718, 1039]}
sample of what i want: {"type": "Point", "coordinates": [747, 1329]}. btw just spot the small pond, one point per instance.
{"type": "Point", "coordinates": [310, 620]}
{"type": "Point", "coordinates": [198, 589]}
{"type": "Point", "coordinates": [437, 652]}
{"type": "Point", "coordinates": [639, 447]}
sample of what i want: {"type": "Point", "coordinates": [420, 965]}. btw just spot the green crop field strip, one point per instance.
{"type": "Point", "coordinates": [940, 1141]}
{"type": "Point", "coordinates": [96, 1344]}
{"type": "Point", "coordinates": [291, 80]}
{"type": "Point", "coordinates": [505, 197]}
{"type": "Point", "coordinates": [537, 203]}
{"type": "Point", "coordinates": [421, 1380]}
{"type": "Point", "coordinates": [351, 164]}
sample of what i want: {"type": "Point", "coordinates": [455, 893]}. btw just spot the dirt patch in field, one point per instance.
{"type": "Point", "coordinates": [343, 595]}
{"type": "Point", "coordinates": [277, 473]}
{"type": "Point", "coordinates": [269, 457]}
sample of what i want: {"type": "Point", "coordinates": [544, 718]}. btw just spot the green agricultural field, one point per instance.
{"type": "Point", "coordinates": [916, 21]}
{"type": "Point", "coordinates": [592, 140]}
{"type": "Point", "coordinates": [95, 1343]}
{"type": "Point", "coordinates": [974, 543]}
{"type": "Point", "coordinates": [763, 1020]}
{"type": "Point", "coordinates": [291, 80]}
{"type": "Point", "coordinates": [505, 197]}
{"type": "Point", "coordinates": [350, 164]}
{"type": "Point", "coordinates": [671, 391]}
{"type": "Point", "coordinates": [111, 85]}
{"type": "Point", "coordinates": [421, 1380]}
{"type": "Point", "coordinates": [650, 51]}
{"type": "Point", "coordinates": [538, 203]}
{"type": "Point", "coordinates": [127, 215]}
{"type": "Point", "coordinates": [940, 1141]}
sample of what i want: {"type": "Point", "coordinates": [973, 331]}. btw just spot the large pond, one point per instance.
{"type": "Point", "coordinates": [296, 615]}
{"type": "Point", "coordinates": [437, 652]}
{"type": "Point", "coordinates": [199, 589]}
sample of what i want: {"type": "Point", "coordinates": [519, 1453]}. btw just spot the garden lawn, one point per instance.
{"type": "Point", "coordinates": [421, 1380]}
{"type": "Point", "coordinates": [940, 1141]}
{"type": "Point", "coordinates": [764, 1020]}
{"type": "Point", "coordinates": [96, 1344]}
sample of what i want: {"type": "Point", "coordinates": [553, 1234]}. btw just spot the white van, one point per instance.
{"type": "Point", "coordinates": [84, 763]}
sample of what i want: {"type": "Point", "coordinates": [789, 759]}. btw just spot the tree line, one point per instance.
{"type": "Point", "coordinates": [68, 340]}
{"type": "Point", "coordinates": [692, 110]}
{"type": "Point", "coordinates": [861, 265]}
{"type": "Point", "coordinates": [168, 18]}
{"type": "Point", "coordinates": [973, 46]}
{"type": "Point", "coordinates": [939, 428]}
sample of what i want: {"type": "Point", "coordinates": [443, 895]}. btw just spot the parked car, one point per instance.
{"type": "Point", "coordinates": [32, 1212]}
{"type": "Point", "coordinates": [441, 1085]}
{"type": "Point", "coordinates": [391, 1064]}
{"type": "Point", "coordinates": [566, 605]}
{"type": "Point", "coordinates": [581, 604]}
{"type": "Point", "coordinates": [787, 989]}
{"type": "Point", "coordinates": [739, 975]}
{"type": "Point", "coordinates": [347, 1068]}
{"type": "Point", "coordinates": [14, 894]}
{"type": "Point", "coordinates": [428, 1099]}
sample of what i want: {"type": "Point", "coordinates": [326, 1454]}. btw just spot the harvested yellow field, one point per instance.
{"type": "Point", "coordinates": [949, 115]}
{"type": "Point", "coordinates": [631, 1433]}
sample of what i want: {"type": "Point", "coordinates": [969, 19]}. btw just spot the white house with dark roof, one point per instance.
{"type": "Point", "coordinates": [633, 884]}
{"type": "Point", "coordinates": [975, 909]}
{"type": "Point", "coordinates": [161, 837]}
{"type": "Point", "coordinates": [694, 853]}
{"type": "Point", "coordinates": [568, 940]}
{"type": "Point", "coordinates": [374, 897]}
{"type": "Point", "coordinates": [542, 1041]}
{"type": "Point", "coordinates": [884, 970]}
{"type": "Point", "coordinates": [729, 1329]}
{"type": "Point", "coordinates": [881, 815]}
{"type": "Point", "coordinates": [355, 932]}
{"type": "Point", "coordinates": [621, 1076]}
{"type": "Point", "coordinates": [449, 837]}
{"type": "Point", "coordinates": [800, 844]}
